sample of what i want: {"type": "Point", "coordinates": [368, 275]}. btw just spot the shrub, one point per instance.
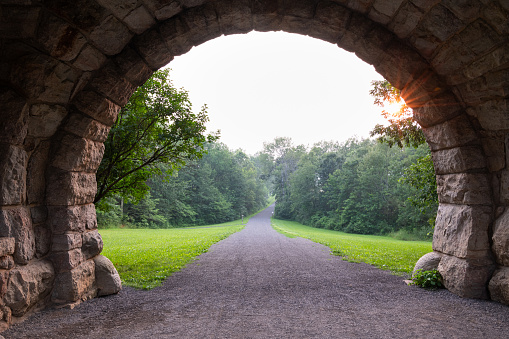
{"type": "Point", "coordinates": [431, 280]}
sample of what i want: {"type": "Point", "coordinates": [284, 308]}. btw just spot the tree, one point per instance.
{"type": "Point", "coordinates": [402, 130]}
{"type": "Point", "coordinates": [157, 126]}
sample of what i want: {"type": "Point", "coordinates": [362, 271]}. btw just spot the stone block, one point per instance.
{"type": "Point", "coordinates": [164, 9]}
{"type": "Point", "coordinates": [67, 260]}
{"type": "Point", "coordinates": [234, 16]}
{"type": "Point", "coordinates": [492, 114]}
{"type": "Point", "coordinates": [12, 175]}
{"type": "Point", "coordinates": [7, 245]}
{"type": "Point", "coordinates": [504, 186]}
{"type": "Point", "coordinates": [39, 214]}
{"type": "Point", "coordinates": [467, 278]}
{"type": "Point", "coordinates": [89, 59]}
{"type": "Point", "coordinates": [29, 285]}
{"type": "Point", "coordinates": [427, 262]}
{"type": "Point", "coordinates": [78, 154]}
{"type": "Point", "coordinates": [96, 106]}
{"type": "Point", "coordinates": [18, 22]}
{"type": "Point", "coordinates": [153, 49]}
{"type": "Point", "coordinates": [112, 84]}
{"type": "Point", "coordinates": [203, 25]}
{"type": "Point", "coordinates": [458, 159]}
{"type": "Point", "coordinates": [120, 8]}
{"type": "Point", "coordinates": [440, 23]}
{"type": "Point", "coordinates": [92, 244]}
{"type": "Point", "coordinates": [452, 133]}
{"type": "Point", "coordinates": [501, 239]}
{"type": "Point", "coordinates": [16, 223]}
{"type": "Point", "coordinates": [45, 119]}
{"type": "Point", "coordinates": [462, 230]}
{"type": "Point", "coordinates": [139, 20]}
{"type": "Point", "coordinates": [4, 279]}
{"type": "Point", "coordinates": [66, 242]}
{"type": "Point", "coordinates": [110, 36]}
{"type": "Point", "coordinates": [464, 188]}
{"type": "Point", "coordinates": [36, 178]}
{"type": "Point", "coordinates": [70, 188]}
{"type": "Point", "coordinates": [107, 278]}
{"type": "Point", "coordinates": [74, 285]}
{"type": "Point", "coordinates": [61, 40]}
{"type": "Point", "coordinates": [134, 68]}
{"type": "Point", "coordinates": [405, 21]}
{"type": "Point", "coordinates": [175, 35]}
{"type": "Point", "coordinates": [437, 110]}
{"type": "Point", "coordinates": [383, 11]}
{"type": "Point", "coordinates": [42, 240]}
{"type": "Point", "coordinates": [499, 286]}
{"type": "Point", "coordinates": [72, 218]}
{"type": "Point", "coordinates": [14, 108]}
{"type": "Point", "coordinates": [6, 262]}
{"type": "Point", "coordinates": [85, 127]}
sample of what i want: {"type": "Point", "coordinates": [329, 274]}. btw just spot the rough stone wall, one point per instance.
{"type": "Point", "coordinates": [66, 68]}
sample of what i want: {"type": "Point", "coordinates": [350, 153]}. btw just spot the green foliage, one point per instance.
{"type": "Point", "coordinates": [157, 126]}
{"type": "Point", "coordinates": [402, 129]}
{"type": "Point", "coordinates": [145, 258]}
{"type": "Point", "coordinates": [428, 279]}
{"type": "Point", "coordinates": [383, 252]}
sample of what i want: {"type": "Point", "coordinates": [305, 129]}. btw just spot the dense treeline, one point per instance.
{"type": "Point", "coordinates": [360, 186]}
{"type": "Point", "coordinates": [221, 186]}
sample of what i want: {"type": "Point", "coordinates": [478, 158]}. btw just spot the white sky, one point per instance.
{"type": "Point", "coordinates": [259, 86]}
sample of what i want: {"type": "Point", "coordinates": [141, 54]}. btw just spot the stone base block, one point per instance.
{"type": "Point", "coordinates": [107, 277]}
{"type": "Point", "coordinates": [467, 278]}
{"type": "Point", "coordinates": [499, 286]}
{"type": "Point", "coordinates": [427, 262]}
{"type": "Point", "coordinates": [77, 284]}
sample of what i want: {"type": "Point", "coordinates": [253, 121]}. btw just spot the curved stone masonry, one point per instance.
{"type": "Point", "coordinates": [66, 68]}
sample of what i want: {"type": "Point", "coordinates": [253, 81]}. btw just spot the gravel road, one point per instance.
{"type": "Point", "coordinates": [260, 284]}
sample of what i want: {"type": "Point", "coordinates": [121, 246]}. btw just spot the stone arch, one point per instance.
{"type": "Point", "coordinates": [68, 67]}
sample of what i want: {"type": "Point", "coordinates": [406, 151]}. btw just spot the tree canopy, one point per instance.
{"type": "Point", "coordinates": [157, 126]}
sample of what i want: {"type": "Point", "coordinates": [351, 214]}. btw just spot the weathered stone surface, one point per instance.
{"type": "Point", "coordinates": [4, 279]}
{"type": "Point", "coordinates": [16, 223]}
{"type": "Point", "coordinates": [29, 285]}
{"type": "Point", "coordinates": [107, 278]}
{"type": "Point", "coordinates": [464, 188]}
{"type": "Point", "coordinates": [504, 186]}
{"type": "Point", "coordinates": [92, 244]}
{"type": "Point", "coordinates": [39, 214]}
{"type": "Point", "coordinates": [437, 110]}
{"type": "Point", "coordinates": [110, 36]}
{"type": "Point", "coordinates": [234, 17]}
{"type": "Point", "coordinates": [120, 8]}
{"type": "Point", "coordinates": [427, 262]}
{"type": "Point", "coordinates": [36, 179]}
{"type": "Point", "coordinates": [19, 21]}
{"type": "Point", "coordinates": [458, 159]}
{"type": "Point", "coordinates": [97, 106]}
{"type": "Point", "coordinates": [493, 145]}
{"type": "Point", "coordinates": [383, 11]}
{"type": "Point", "coordinates": [7, 245]}
{"type": "Point", "coordinates": [67, 260]}
{"type": "Point", "coordinates": [139, 20]}
{"type": "Point", "coordinates": [45, 119]}
{"type": "Point", "coordinates": [499, 285]}
{"type": "Point", "coordinates": [75, 285]}
{"type": "Point", "coordinates": [111, 83]}
{"type": "Point", "coordinates": [492, 115]}
{"type": "Point", "coordinates": [452, 133]}
{"type": "Point", "coordinates": [14, 126]}
{"type": "Point", "coordinates": [66, 242]}
{"type": "Point", "coordinates": [70, 188]}
{"type": "Point", "coordinates": [12, 174]}
{"type": "Point", "coordinates": [406, 20]}
{"type": "Point", "coordinates": [89, 59]}
{"type": "Point", "coordinates": [78, 154]}
{"type": "Point", "coordinates": [42, 240]}
{"type": "Point", "coordinates": [153, 49]}
{"type": "Point", "coordinates": [59, 38]}
{"type": "Point", "coordinates": [164, 9]}
{"type": "Point", "coordinates": [174, 34]}
{"type": "Point", "coordinates": [72, 218]}
{"type": "Point", "coordinates": [6, 262]}
{"type": "Point", "coordinates": [462, 230]}
{"type": "Point", "coordinates": [467, 278]}
{"type": "Point", "coordinates": [501, 239]}
{"type": "Point", "coordinates": [134, 68]}
{"type": "Point", "coordinates": [85, 127]}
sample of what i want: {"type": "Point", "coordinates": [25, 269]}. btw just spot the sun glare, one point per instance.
{"type": "Point", "coordinates": [396, 110]}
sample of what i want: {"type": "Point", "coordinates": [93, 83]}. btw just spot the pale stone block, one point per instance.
{"type": "Point", "coordinates": [501, 239]}
{"type": "Point", "coordinates": [464, 188]}
{"type": "Point", "coordinates": [72, 218]}
{"type": "Point", "coordinates": [74, 285]}
{"type": "Point", "coordinates": [71, 188]}
{"type": "Point", "coordinates": [499, 286]}
{"type": "Point", "coordinates": [92, 244]}
{"type": "Point", "coordinates": [107, 278]}
{"type": "Point", "coordinates": [78, 154]}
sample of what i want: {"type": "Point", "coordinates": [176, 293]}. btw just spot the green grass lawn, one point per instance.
{"type": "Point", "coordinates": [144, 258]}
{"type": "Point", "coordinates": [384, 252]}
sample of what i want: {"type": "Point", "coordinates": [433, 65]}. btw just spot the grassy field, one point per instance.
{"type": "Point", "coordinates": [384, 252]}
{"type": "Point", "coordinates": [144, 258]}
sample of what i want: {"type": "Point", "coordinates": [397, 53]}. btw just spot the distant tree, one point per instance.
{"type": "Point", "coordinates": [157, 126]}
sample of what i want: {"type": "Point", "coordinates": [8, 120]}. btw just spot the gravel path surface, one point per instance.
{"type": "Point", "coordinates": [260, 284]}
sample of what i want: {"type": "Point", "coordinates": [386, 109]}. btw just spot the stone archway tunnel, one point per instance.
{"type": "Point", "coordinates": [66, 68]}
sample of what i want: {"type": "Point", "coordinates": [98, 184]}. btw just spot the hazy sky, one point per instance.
{"type": "Point", "coordinates": [259, 86]}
